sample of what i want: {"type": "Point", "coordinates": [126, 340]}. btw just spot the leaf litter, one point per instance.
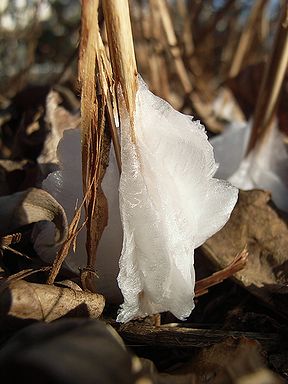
{"type": "Point", "coordinates": [242, 320]}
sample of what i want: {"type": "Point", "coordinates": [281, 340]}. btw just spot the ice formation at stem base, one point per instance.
{"type": "Point", "coordinates": [170, 204]}
{"type": "Point", "coordinates": [169, 201]}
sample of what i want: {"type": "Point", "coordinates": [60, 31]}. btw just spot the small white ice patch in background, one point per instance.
{"type": "Point", "coordinates": [266, 167]}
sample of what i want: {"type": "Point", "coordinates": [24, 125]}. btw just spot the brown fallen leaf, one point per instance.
{"type": "Point", "coordinates": [256, 223]}
{"type": "Point", "coordinates": [69, 351]}
{"type": "Point", "coordinates": [31, 116]}
{"type": "Point", "coordinates": [232, 361]}
{"type": "Point", "coordinates": [30, 206]}
{"type": "Point", "coordinates": [20, 299]}
{"type": "Point", "coordinates": [57, 119]}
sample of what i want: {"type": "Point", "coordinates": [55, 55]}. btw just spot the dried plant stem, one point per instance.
{"type": "Point", "coordinates": [201, 286]}
{"type": "Point", "coordinates": [89, 117]}
{"type": "Point", "coordinates": [221, 13]}
{"type": "Point", "coordinates": [156, 59]}
{"type": "Point", "coordinates": [121, 48]}
{"type": "Point", "coordinates": [173, 45]}
{"type": "Point", "coordinates": [176, 335]}
{"type": "Point", "coordinates": [246, 37]}
{"type": "Point", "coordinates": [73, 231]}
{"type": "Point", "coordinates": [271, 84]}
{"type": "Point", "coordinates": [187, 30]}
{"type": "Point", "coordinates": [94, 78]}
{"type": "Point", "coordinates": [203, 111]}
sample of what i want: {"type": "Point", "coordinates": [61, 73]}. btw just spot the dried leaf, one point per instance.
{"type": "Point", "coordinates": [255, 223]}
{"type": "Point", "coordinates": [30, 206]}
{"type": "Point", "coordinates": [31, 301]}
{"type": "Point", "coordinates": [68, 351]}
{"type": "Point", "coordinates": [58, 119]}
{"type": "Point", "coordinates": [231, 361]}
{"type": "Point", "coordinates": [95, 81]}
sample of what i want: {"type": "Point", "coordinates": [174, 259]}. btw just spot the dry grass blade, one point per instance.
{"type": "Point", "coordinates": [73, 231]}
{"type": "Point", "coordinates": [271, 83]}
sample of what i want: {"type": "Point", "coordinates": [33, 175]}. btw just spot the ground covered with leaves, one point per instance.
{"type": "Point", "coordinates": [54, 327]}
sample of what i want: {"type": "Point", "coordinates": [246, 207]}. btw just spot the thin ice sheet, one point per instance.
{"type": "Point", "coordinates": [169, 203]}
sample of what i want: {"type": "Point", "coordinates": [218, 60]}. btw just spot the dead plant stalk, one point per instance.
{"type": "Point", "coordinates": [122, 55]}
{"type": "Point", "coordinates": [246, 37]}
{"type": "Point", "coordinates": [93, 75]}
{"type": "Point", "coordinates": [271, 84]}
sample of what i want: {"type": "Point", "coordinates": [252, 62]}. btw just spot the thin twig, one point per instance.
{"type": "Point", "coordinates": [202, 286]}
{"type": "Point", "coordinates": [271, 83]}
{"type": "Point", "coordinates": [73, 232]}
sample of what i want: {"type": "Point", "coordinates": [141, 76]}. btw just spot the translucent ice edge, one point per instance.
{"type": "Point", "coordinates": [170, 204]}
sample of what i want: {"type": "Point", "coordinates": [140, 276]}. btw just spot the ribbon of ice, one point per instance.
{"type": "Point", "coordinates": [170, 203]}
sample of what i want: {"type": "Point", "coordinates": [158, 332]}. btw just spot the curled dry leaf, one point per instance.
{"type": "Point", "coordinates": [30, 206]}
{"type": "Point", "coordinates": [31, 301]}
{"type": "Point", "coordinates": [256, 223]}
{"type": "Point", "coordinates": [69, 351]}
{"type": "Point", "coordinates": [57, 119]}
{"type": "Point", "coordinates": [234, 360]}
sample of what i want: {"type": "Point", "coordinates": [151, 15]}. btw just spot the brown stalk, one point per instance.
{"type": "Point", "coordinates": [173, 45]}
{"type": "Point", "coordinates": [202, 286]}
{"type": "Point", "coordinates": [187, 30]}
{"type": "Point", "coordinates": [232, 39]}
{"type": "Point", "coordinates": [142, 33]}
{"type": "Point", "coordinates": [157, 62]}
{"type": "Point", "coordinates": [271, 83]}
{"type": "Point", "coordinates": [203, 111]}
{"type": "Point", "coordinates": [247, 37]}
{"type": "Point", "coordinates": [216, 19]}
{"type": "Point", "coordinates": [95, 80]}
{"type": "Point", "coordinates": [121, 48]}
{"type": "Point", "coordinates": [73, 231]}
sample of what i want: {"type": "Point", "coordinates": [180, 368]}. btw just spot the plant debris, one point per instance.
{"type": "Point", "coordinates": [71, 72]}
